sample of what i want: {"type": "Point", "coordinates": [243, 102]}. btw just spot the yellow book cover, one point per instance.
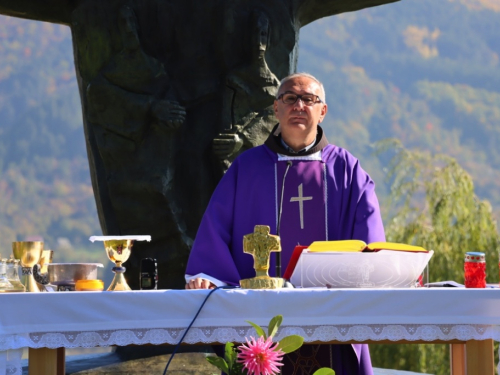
{"type": "Point", "coordinates": [359, 246]}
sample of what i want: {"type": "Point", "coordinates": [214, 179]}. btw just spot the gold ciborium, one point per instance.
{"type": "Point", "coordinates": [260, 244]}
{"type": "Point", "coordinates": [29, 253]}
{"type": "Point", "coordinates": [118, 251]}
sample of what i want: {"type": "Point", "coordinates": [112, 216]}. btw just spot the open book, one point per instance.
{"type": "Point", "coordinates": [347, 246]}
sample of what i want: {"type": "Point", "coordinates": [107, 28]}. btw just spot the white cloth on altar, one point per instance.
{"type": "Point", "coordinates": [90, 319]}
{"type": "Point", "coordinates": [82, 311]}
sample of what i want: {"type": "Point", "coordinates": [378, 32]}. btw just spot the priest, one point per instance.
{"type": "Point", "coordinates": [305, 189]}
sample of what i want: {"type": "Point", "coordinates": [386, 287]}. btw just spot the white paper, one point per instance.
{"type": "Point", "coordinates": [382, 269]}
{"type": "Point", "coordinates": [109, 238]}
{"type": "Point", "coordinates": [99, 265]}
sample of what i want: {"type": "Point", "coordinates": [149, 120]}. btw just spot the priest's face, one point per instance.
{"type": "Point", "coordinates": [299, 121]}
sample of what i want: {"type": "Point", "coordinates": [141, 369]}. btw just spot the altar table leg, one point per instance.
{"type": "Point", "coordinates": [479, 357]}
{"type": "Point", "coordinates": [457, 359]}
{"type": "Point", "coordinates": [43, 361]}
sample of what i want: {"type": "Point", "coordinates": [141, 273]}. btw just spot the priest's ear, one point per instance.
{"type": "Point", "coordinates": [324, 110]}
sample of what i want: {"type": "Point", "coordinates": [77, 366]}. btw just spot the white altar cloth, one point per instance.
{"type": "Point", "coordinates": [89, 319]}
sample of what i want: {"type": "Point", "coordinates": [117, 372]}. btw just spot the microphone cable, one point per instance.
{"type": "Point", "coordinates": [289, 163]}
{"type": "Point", "coordinates": [192, 321]}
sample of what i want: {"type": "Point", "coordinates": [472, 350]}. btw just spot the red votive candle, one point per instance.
{"type": "Point", "coordinates": [475, 270]}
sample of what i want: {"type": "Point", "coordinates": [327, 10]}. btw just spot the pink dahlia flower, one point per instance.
{"type": "Point", "coordinates": [260, 357]}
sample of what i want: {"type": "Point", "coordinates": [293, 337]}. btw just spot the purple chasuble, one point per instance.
{"type": "Point", "coordinates": [249, 194]}
{"type": "Point", "coordinates": [327, 196]}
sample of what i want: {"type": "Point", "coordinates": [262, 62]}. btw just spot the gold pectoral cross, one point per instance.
{"type": "Point", "coordinates": [301, 200]}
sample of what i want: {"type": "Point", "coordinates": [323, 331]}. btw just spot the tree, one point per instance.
{"type": "Point", "coordinates": [433, 205]}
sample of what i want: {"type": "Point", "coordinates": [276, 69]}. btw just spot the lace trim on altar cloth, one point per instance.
{"type": "Point", "coordinates": [11, 345]}
{"type": "Point", "coordinates": [10, 362]}
{"type": "Point", "coordinates": [196, 335]}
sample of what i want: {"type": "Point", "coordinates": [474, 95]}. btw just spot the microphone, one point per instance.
{"type": "Point", "coordinates": [278, 254]}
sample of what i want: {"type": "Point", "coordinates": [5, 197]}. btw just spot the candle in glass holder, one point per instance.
{"type": "Point", "coordinates": [475, 270]}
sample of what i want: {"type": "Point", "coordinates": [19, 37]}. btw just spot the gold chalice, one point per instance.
{"type": "Point", "coordinates": [118, 251]}
{"type": "Point", "coordinates": [29, 253]}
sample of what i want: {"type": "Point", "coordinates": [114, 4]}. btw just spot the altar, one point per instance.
{"type": "Point", "coordinates": [47, 323]}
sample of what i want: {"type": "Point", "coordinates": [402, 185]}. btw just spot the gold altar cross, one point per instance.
{"type": "Point", "coordinates": [260, 244]}
{"type": "Point", "coordinates": [301, 200]}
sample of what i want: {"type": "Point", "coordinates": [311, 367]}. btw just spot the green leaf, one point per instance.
{"type": "Point", "coordinates": [274, 324]}
{"type": "Point", "coordinates": [290, 343]}
{"type": "Point", "coordinates": [260, 331]}
{"type": "Point", "coordinates": [238, 369]}
{"type": "Point", "coordinates": [219, 362]}
{"type": "Point", "coordinates": [230, 354]}
{"type": "Point", "coordinates": [324, 371]}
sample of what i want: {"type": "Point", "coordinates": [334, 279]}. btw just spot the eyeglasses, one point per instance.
{"type": "Point", "coordinates": [307, 99]}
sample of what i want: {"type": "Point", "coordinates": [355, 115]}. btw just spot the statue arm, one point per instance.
{"type": "Point", "coordinates": [56, 11]}
{"type": "Point", "coordinates": [118, 110]}
{"type": "Point", "coordinates": [308, 11]}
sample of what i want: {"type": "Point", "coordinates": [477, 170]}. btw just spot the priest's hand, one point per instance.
{"type": "Point", "coordinates": [199, 283]}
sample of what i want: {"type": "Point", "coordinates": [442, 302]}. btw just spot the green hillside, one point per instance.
{"type": "Point", "coordinates": [44, 175]}
{"type": "Point", "coordinates": [426, 72]}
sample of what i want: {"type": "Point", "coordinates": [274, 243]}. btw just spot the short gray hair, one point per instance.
{"type": "Point", "coordinates": [322, 95]}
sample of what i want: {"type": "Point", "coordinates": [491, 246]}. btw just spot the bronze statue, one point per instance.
{"type": "Point", "coordinates": [171, 92]}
